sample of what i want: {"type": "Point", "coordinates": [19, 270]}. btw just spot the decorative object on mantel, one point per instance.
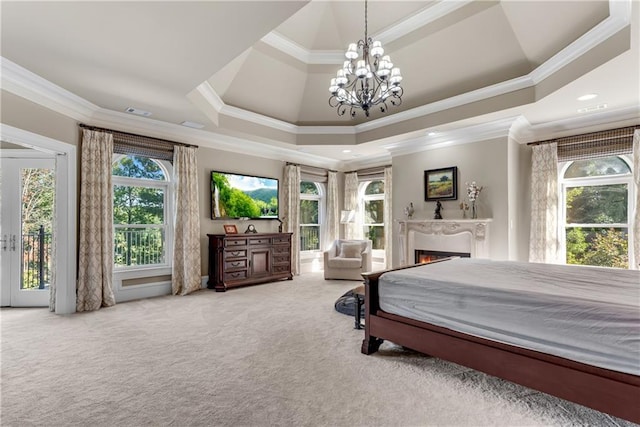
{"type": "Point", "coordinates": [441, 184]}
{"type": "Point", "coordinates": [409, 211]}
{"type": "Point", "coordinates": [473, 191]}
{"type": "Point", "coordinates": [371, 81]}
{"type": "Point", "coordinates": [437, 214]}
{"type": "Point", "coordinates": [464, 207]}
{"type": "Point", "coordinates": [280, 225]}
{"type": "Point", "coordinates": [251, 229]}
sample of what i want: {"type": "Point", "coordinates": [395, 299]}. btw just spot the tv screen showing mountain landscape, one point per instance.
{"type": "Point", "coordinates": [243, 196]}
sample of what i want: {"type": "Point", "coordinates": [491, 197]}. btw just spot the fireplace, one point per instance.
{"type": "Point", "coordinates": [423, 256]}
{"type": "Point", "coordinates": [452, 237]}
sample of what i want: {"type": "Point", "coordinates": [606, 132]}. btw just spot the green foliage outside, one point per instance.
{"type": "Point", "coordinates": [138, 205]}
{"type": "Point", "coordinates": [37, 198]}
{"type": "Point", "coordinates": [309, 234]}
{"type": "Point", "coordinates": [234, 203]}
{"type": "Point", "coordinates": [601, 246]}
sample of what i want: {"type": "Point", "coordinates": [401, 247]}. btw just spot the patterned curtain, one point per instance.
{"type": "Point", "coordinates": [333, 211]}
{"type": "Point", "coordinates": [543, 245]}
{"type": "Point", "coordinates": [636, 179]}
{"type": "Point", "coordinates": [388, 217]}
{"type": "Point", "coordinates": [95, 251]}
{"type": "Point", "coordinates": [353, 230]}
{"type": "Point", "coordinates": [291, 212]}
{"type": "Point", "coordinates": [185, 274]}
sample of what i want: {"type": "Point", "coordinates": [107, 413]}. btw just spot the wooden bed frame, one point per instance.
{"type": "Point", "coordinates": [607, 391]}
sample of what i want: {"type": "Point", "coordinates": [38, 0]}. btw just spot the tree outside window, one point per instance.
{"type": "Point", "coordinates": [140, 198]}
{"type": "Point", "coordinates": [596, 207]}
{"type": "Point", "coordinates": [373, 213]}
{"type": "Point", "coordinates": [310, 215]}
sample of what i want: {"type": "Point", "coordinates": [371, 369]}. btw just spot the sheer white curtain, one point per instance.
{"type": "Point", "coordinates": [291, 212]}
{"type": "Point", "coordinates": [543, 245]}
{"type": "Point", "coordinates": [636, 179]}
{"type": "Point", "coordinates": [353, 229]}
{"type": "Point", "coordinates": [185, 274]}
{"type": "Point", "coordinates": [333, 213]}
{"type": "Point", "coordinates": [388, 217]}
{"type": "Point", "coordinates": [95, 246]}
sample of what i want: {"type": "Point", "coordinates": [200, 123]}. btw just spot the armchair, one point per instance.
{"type": "Point", "coordinates": [347, 259]}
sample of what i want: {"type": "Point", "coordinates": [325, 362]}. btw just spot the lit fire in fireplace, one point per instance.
{"type": "Point", "coordinates": [424, 256]}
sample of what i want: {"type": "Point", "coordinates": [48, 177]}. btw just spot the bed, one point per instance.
{"type": "Point", "coordinates": [569, 331]}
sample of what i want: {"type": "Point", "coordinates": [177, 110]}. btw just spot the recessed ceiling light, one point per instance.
{"type": "Point", "coordinates": [137, 111]}
{"type": "Point", "coordinates": [432, 133]}
{"type": "Point", "coordinates": [346, 151]}
{"type": "Point", "coordinates": [587, 97]}
{"type": "Point", "coordinates": [192, 124]}
{"type": "Point", "coordinates": [592, 108]}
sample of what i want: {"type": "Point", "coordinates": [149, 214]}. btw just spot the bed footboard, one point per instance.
{"type": "Point", "coordinates": [608, 391]}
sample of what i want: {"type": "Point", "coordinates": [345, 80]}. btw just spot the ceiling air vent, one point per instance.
{"type": "Point", "coordinates": [137, 111]}
{"type": "Point", "coordinates": [592, 108]}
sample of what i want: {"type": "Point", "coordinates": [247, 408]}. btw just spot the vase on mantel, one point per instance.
{"type": "Point", "coordinates": [474, 213]}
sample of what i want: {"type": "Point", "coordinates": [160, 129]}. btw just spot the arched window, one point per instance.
{"type": "Point", "coordinates": [311, 213]}
{"type": "Point", "coordinates": [596, 206]}
{"type": "Point", "coordinates": [141, 212]}
{"type": "Point", "coordinates": [372, 209]}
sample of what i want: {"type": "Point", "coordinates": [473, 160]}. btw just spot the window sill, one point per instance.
{"type": "Point", "coordinates": [141, 272]}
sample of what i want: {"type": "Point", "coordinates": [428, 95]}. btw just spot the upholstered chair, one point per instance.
{"type": "Point", "coordinates": [347, 259]}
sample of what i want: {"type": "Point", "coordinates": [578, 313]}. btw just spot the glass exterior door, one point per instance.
{"type": "Point", "coordinates": [26, 231]}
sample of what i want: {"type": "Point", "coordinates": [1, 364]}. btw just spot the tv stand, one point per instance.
{"type": "Point", "coordinates": [248, 259]}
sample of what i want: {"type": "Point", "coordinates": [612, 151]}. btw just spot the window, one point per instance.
{"type": "Point", "coordinates": [311, 206]}
{"type": "Point", "coordinates": [141, 212]}
{"type": "Point", "coordinates": [596, 211]}
{"type": "Point", "coordinates": [372, 208]}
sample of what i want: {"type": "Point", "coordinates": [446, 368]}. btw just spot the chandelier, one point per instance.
{"type": "Point", "coordinates": [366, 79]}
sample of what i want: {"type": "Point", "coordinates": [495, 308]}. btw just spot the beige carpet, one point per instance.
{"type": "Point", "coordinates": [274, 354]}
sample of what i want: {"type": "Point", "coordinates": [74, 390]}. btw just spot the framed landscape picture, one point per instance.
{"type": "Point", "coordinates": [441, 184]}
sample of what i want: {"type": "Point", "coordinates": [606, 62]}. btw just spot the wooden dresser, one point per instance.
{"type": "Point", "coordinates": [248, 259]}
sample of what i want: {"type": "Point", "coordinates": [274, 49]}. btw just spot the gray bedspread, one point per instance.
{"type": "Point", "coordinates": [586, 314]}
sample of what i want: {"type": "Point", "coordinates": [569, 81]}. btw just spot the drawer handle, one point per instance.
{"type": "Point", "coordinates": [236, 253]}
{"type": "Point", "coordinates": [235, 274]}
{"type": "Point", "coordinates": [236, 264]}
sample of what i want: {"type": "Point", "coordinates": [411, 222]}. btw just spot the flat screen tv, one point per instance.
{"type": "Point", "coordinates": [236, 195]}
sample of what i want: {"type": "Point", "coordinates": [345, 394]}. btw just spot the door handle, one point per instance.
{"type": "Point", "coordinates": [4, 243]}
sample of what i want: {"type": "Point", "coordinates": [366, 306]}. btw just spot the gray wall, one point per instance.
{"type": "Point", "coordinates": [494, 165]}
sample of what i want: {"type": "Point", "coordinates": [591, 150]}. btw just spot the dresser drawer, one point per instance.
{"type": "Point", "coordinates": [235, 242]}
{"type": "Point", "coordinates": [281, 250]}
{"type": "Point", "coordinates": [260, 241]}
{"type": "Point", "coordinates": [233, 264]}
{"type": "Point", "coordinates": [235, 275]}
{"type": "Point", "coordinates": [233, 253]}
{"type": "Point", "coordinates": [281, 259]}
{"type": "Point", "coordinates": [285, 239]}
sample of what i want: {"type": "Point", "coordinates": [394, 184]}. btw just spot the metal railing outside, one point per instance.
{"type": "Point", "coordinates": [309, 237]}
{"type": "Point", "coordinates": [36, 260]}
{"type": "Point", "coordinates": [138, 246]}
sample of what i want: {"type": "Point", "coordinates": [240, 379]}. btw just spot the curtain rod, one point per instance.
{"type": "Point", "coordinates": [82, 125]}
{"type": "Point", "coordinates": [312, 167]}
{"type": "Point", "coordinates": [630, 129]}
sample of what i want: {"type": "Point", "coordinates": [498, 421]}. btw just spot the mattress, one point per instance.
{"type": "Point", "coordinates": [586, 314]}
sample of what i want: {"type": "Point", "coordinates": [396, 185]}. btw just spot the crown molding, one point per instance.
{"type": "Point", "coordinates": [465, 135]}
{"type": "Point", "coordinates": [210, 95]}
{"type": "Point", "coordinates": [28, 85]}
{"type": "Point", "coordinates": [306, 56]}
{"type": "Point", "coordinates": [525, 132]}
{"type": "Point", "coordinates": [619, 17]}
{"type": "Point", "coordinates": [418, 20]}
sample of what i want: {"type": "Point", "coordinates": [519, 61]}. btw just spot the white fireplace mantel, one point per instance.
{"type": "Point", "coordinates": [447, 235]}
